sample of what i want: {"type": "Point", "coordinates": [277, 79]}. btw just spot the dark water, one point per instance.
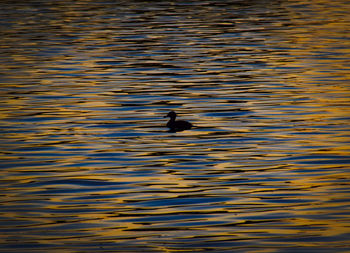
{"type": "Point", "coordinates": [88, 166]}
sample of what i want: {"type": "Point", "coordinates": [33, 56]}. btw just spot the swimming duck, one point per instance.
{"type": "Point", "coordinates": [177, 125]}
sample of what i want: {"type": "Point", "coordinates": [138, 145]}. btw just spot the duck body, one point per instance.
{"type": "Point", "coordinates": [177, 125]}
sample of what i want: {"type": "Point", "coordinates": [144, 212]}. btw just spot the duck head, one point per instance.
{"type": "Point", "coordinates": [171, 115]}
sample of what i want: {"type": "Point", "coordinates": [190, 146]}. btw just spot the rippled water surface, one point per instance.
{"type": "Point", "coordinates": [87, 164]}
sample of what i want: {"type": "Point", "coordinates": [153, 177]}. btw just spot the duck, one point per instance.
{"type": "Point", "coordinates": [177, 125]}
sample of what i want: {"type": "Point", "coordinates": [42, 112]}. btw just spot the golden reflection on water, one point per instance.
{"type": "Point", "coordinates": [88, 165]}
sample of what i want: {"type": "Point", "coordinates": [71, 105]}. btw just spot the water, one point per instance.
{"type": "Point", "coordinates": [88, 166]}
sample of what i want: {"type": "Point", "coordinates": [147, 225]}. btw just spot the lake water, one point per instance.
{"type": "Point", "coordinates": [87, 164]}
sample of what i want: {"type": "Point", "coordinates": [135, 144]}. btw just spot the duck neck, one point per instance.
{"type": "Point", "coordinates": [171, 121]}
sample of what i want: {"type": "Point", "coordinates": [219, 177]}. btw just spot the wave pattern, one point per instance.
{"type": "Point", "coordinates": [87, 164]}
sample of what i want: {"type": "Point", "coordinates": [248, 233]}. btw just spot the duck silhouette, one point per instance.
{"type": "Point", "coordinates": [177, 125]}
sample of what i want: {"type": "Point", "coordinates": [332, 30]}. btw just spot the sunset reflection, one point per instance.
{"type": "Point", "coordinates": [88, 164]}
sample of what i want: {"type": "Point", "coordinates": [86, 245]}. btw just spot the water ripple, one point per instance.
{"type": "Point", "coordinates": [87, 164]}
